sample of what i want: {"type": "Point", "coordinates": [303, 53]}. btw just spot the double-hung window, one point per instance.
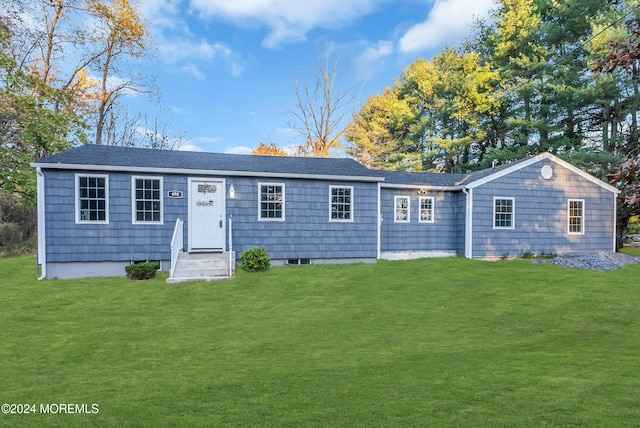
{"type": "Point", "coordinates": [92, 198]}
{"type": "Point", "coordinates": [401, 204]}
{"type": "Point", "coordinates": [271, 203]}
{"type": "Point", "coordinates": [503, 213]}
{"type": "Point", "coordinates": [576, 216]}
{"type": "Point", "coordinates": [341, 203]}
{"type": "Point", "coordinates": [426, 210]}
{"type": "Point", "coordinates": [147, 200]}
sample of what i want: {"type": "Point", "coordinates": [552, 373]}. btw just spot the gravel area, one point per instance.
{"type": "Point", "coordinates": [595, 261]}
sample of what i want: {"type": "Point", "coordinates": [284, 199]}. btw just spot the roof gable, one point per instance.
{"type": "Point", "coordinates": [479, 178]}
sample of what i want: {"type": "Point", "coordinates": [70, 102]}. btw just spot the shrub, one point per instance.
{"type": "Point", "coordinates": [140, 271]}
{"type": "Point", "coordinates": [10, 233]}
{"type": "Point", "coordinates": [255, 260]}
{"type": "Point", "coordinates": [633, 228]}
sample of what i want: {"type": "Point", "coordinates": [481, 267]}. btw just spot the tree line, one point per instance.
{"type": "Point", "coordinates": [65, 68]}
{"type": "Point", "coordinates": [540, 75]}
{"type": "Point", "coordinates": [523, 84]}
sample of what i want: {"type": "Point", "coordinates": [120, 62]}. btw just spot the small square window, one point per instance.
{"type": "Point", "coordinates": [341, 203]}
{"type": "Point", "coordinates": [271, 201]}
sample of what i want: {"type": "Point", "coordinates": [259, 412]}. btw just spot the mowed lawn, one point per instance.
{"type": "Point", "coordinates": [435, 342]}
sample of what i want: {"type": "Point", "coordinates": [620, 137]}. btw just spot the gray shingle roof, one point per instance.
{"type": "Point", "coordinates": [422, 178]}
{"type": "Point", "coordinates": [95, 156]}
{"type": "Point", "coordinates": [112, 156]}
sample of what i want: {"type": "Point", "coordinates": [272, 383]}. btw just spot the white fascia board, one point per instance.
{"type": "Point", "coordinates": [542, 156]}
{"type": "Point", "coordinates": [205, 172]}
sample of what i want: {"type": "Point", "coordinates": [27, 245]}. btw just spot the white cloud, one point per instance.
{"type": "Point", "coordinates": [287, 20]}
{"type": "Point", "coordinates": [188, 147]}
{"type": "Point", "coordinates": [239, 150]}
{"type": "Point", "coordinates": [370, 55]}
{"type": "Point", "coordinates": [236, 69]}
{"type": "Point", "coordinates": [194, 71]}
{"type": "Point", "coordinates": [449, 20]}
{"type": "Point", "coordinates": [161, 13]}
{"type": "Point", "coordinates": [180, 49]}
{"type": "Point", "coordinates": [177, 44]}
{"type": "Point", "coordinates": [201, 144]}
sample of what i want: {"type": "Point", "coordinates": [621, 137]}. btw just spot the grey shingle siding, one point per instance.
{"type": "Point", "coordinates": [414, 235]}
{"type": "Point", "coordinates": [307, 231]}
{"type": "Point", "coordinates": [119, 240]}
{"type": "Point", "coordinates": [541, 214]}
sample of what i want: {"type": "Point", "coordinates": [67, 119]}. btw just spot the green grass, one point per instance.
{"type": "Point", "coordinates": [632, 251]}
{"type": "Point", "coordinates": [438, 342]}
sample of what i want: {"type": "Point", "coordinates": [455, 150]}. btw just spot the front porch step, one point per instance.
{"type": "Point", "coordinates": [202, 267]}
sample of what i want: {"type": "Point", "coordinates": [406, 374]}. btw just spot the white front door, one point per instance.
{"type": "Point", "coordinates": [206, 215]}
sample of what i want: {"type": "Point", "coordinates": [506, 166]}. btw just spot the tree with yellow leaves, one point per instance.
{"type": "Point", "coordinates": [269, 150]}
{"type": "Point", "coordinates": [119, 35]}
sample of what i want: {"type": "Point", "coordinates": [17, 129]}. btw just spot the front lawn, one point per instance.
{"type": "Point", "coordinates": [632, 251]}
{"type": "Point", "coordinates": [436, 342]}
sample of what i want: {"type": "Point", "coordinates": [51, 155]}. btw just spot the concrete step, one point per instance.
{"type": "Point", "coordinates": [202, 267]}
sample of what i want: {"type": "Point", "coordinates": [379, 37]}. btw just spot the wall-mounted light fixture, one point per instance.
{"type": "Point", "coordinates": [232, 192]}
{"type": "Point", "coordinates": [422, 192]}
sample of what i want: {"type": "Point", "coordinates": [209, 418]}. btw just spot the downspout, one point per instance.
{"type": "Point", "coordinates": [468, 223]}
{"type": "Point", "coordinates": [615, 222]}
{"type": "Point", "coordinates": [42, 247]}
{"type": "Point", "coordinates": [378, 254]}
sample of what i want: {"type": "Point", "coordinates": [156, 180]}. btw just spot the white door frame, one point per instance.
{"type": "Point", "coordinates": [223, 189]}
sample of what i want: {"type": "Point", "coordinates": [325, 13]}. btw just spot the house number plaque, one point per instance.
{"type": "Point", "coordinates": [176, 194]}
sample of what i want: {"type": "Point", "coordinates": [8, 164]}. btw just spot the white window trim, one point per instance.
{"type": "Point", "coordinates": [395, 212]}
{"type": "Point", "coordinates": [260, 218]}
{"type": "Point", "coordinates": [106, 197]}
{"type": "Point", "coordinates": [133, 199]}
{"type": "Point", "coordinates": [433, 210]}
{"type": "Point", "coordinates": [513, 213]}
{"type": "Point", "coordinates": [569, 217]}
{"type": "Point", "coordinates": [341, 220]}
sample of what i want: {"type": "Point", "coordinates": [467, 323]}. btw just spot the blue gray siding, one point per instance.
{"type": "Point", "coordinates": [461, 212]}
{"type": "Point", "coordinates": [305, 233]}
{"type": "Point", "coordinates": [119, 240]}
{"type": "Point", "coordinates": [541, 214]}
{"type": "Point", "coordinates": [441, 235]}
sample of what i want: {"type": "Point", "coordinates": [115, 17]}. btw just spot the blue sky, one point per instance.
{"type": "Point", "coordinates": [225, 68]}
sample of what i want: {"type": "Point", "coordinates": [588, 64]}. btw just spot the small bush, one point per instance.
{"type": "Point", "coordinates": [255, 260]}
{"type": "Point", "coordinates": [10, 233]}
{"type": "Point", "coordinates": [633, 228]}
{"type": "Point", "coordinates": [140, 271]}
